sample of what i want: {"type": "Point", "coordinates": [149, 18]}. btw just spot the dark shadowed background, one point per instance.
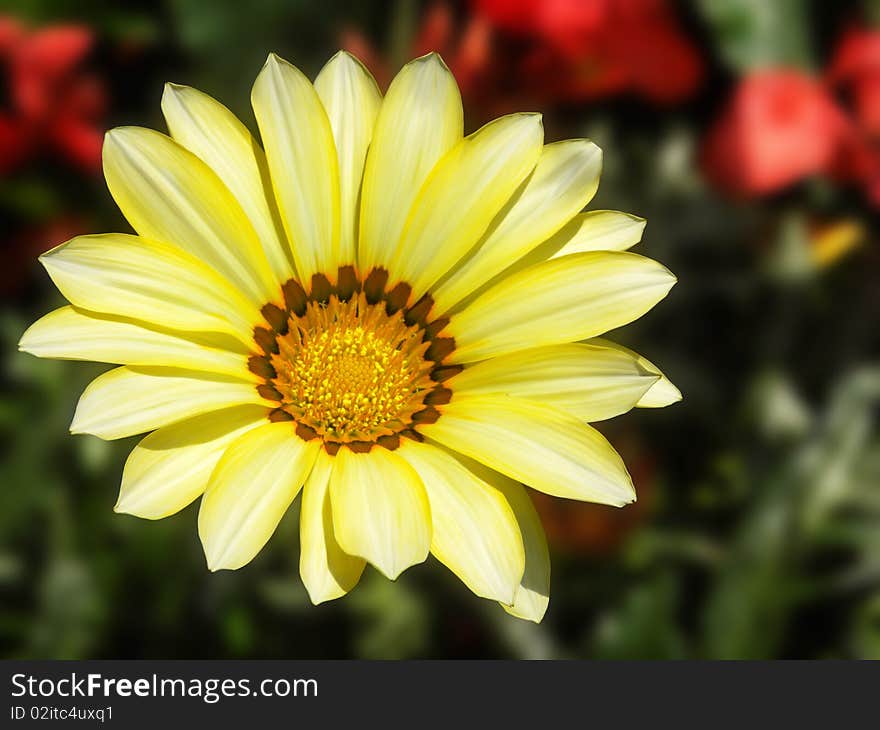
{"type": "Point", "coordinates": [746, 132]}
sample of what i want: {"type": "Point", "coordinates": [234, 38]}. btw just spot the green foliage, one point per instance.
{"type": "Point", "coordinates": [754, 33]}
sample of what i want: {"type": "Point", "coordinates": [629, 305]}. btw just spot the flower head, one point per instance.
{"type": "Point", "coordinates": [370, 308]}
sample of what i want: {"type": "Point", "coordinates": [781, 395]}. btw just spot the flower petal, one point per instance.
{"type": "Point", "coordinates": [380, 509]}
{"type": "Point", "coordinates": [352, 100]}
{"type": "Point", "coordinates": [595, 230]}
{"type": "Point", "coordinates": [132, 400]}
{"type": "Point", "coordinates": [461, 197]}
{"type": "Point", "coordinates": [547, 449]}
{"type": "Point", "coordinates": [302, 160]}
{"type": "Point", "coordinates": [170, 468]}
{"type": "Point", "coordinates": [327, 572]}
{"type": "Point", "coordinates": [419, 121]}
{"type": "Point", "coordinates": [132, 277]}
{"type": "Point", "coordinates": [251, 488]}
{"type": "Point", "coordinates": [563, 300]}
{"type": "Point", "coordinates": [169, 195]}
{"type": "Point", "coordinates": [663, 393]}
{"type": "Point", "coordinates": [73, 334]}
{"type": "Point", "coordinates": [474, 530]}
{"type": "Point", "coordinates": [213, 133]}
{"type": "Point", "coordinates": [586, 380]}
{"type": "Point", "coordinates": [533, 593]}
{"type": "Point", "coordinates": [563, 182]}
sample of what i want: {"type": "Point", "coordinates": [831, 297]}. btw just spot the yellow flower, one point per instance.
{"type": "Point", "coordinates": [371, 308]}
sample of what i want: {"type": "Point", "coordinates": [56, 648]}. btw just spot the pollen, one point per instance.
{"type": "Point", "coordinates": [350, 371]}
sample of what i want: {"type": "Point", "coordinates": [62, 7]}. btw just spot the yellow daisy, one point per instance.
{"type": "Point", "coordinates": [370, 307]}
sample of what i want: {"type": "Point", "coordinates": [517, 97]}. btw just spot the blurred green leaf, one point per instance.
{"type": "Point", "coordinates": [761, 580]}
{"type": "Point", "coordinates": [753, 34]}
{"type": "Point", "coordinates": [393, 619]}
{"type": "Point", "coordinates": [644, 626]}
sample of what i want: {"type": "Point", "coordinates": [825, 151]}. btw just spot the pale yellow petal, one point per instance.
{"type": "Point", "coordinates": [563, 300]}
{"type": "Point", "coordinates": [132, 277]}
{"type": "Point", "coordinates": [327, 572]}
{"type": "Point", "coordinates": [73, 334]}
{"type": "Point", "coordinates": [419, 121]}
{"type": "Point", "coordinates": [533, 593]}
{"type": "Point", "coordinates": [132, 400]}
{"type": "Point", "coordinates": [352, 100]}
{"type": "Point", "coordinates": [380, 510]}
{"type": "Point", "coordinates": [463, 194]}
{"type": "Point", "coordinates": [563, 182]}
{"type": "Point", "coordinates": [663, 393]}
{"type": "Point", "coordinates": [251, 488]}
{"type": "Point", "coordinates": [545, 448]}
{"type": "Point", "coordinates": [586, 380]}
{"type": "Point", "coordinates": [474, 531]}
{"type": "Point", "coordinates": [209, 130]}
{"type": "Point", "coordinates": [169, 195]}
{"type": "Point", "coordinates": [595, 230]}
{"type": "Point", "coordinates": [170, 468]}
{"type": "Point", "coordinates": [302, 160]}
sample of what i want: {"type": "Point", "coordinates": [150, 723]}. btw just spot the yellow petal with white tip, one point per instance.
{"type": "Point", "coordinates": [169, 195]}
{"type": "Point", "coordinates": [586, 380]}
{"type": "Point", "coordinates": [170, 468]}
{"type": "Point", "coordinates": [419, 121]}
{"type": "Point", "coordinates": [474, 530]}
{"type": "Point", "coordinates": [545, 448]}
{"type": "Point", "coordinates": [462, 195]}
{"type": "Point", "coordinates": [132, 277]}
{"type": "Point", "coordinates": [563, 182]}
{"type": "Point", "coordinates": [302, 161]}
{"type": "Point", "coordinates": [663, 393]}
{"type": "Point", "coordinates": [327, 572]}
{"type": "Point", "coordinates": [251, 488]}
{"type": "Point", "coordinates": [214, 134]}
{"type": "Point", "coordinates": [563, 300]}
{"type": "Point", "coordinates": [380, 510]}
{"type": "Point", "coordinates": [73, 334]}
{"type": "Point", "coordinates": [351, 100]}
{"type": "Point", "coordinates": [132, 400]}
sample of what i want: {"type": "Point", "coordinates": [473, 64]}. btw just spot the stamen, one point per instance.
{"type": "Point", "coordinates": [350, 371]}
{"type": "Point", "coordinates": [350, 363]}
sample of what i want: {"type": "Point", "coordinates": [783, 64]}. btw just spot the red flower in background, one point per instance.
{"type": "Point", "coordinates": [584, 49]}
{"type": "Point", "coordinates": [779, 127]}
{"type": "Point", "coordinates": [54, 106]}
{"type": "Point", "coordinates": [784, 125]}
{"type": "Point", "coordinates": [855, 71]}
{"type": "Point", "coordinates": [507, 54]}
{"type": "Point", "coordinates": [856, 68]}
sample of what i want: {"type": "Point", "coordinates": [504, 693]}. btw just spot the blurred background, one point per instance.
{"type": "Point", "coordinates": [746, 132]}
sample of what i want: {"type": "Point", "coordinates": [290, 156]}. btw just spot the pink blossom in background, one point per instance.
{"type": "Point", "coordinates": [779, 126]}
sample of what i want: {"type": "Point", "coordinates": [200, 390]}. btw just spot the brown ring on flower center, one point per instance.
{"type": "Point", "coordinates": [353, 362]}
